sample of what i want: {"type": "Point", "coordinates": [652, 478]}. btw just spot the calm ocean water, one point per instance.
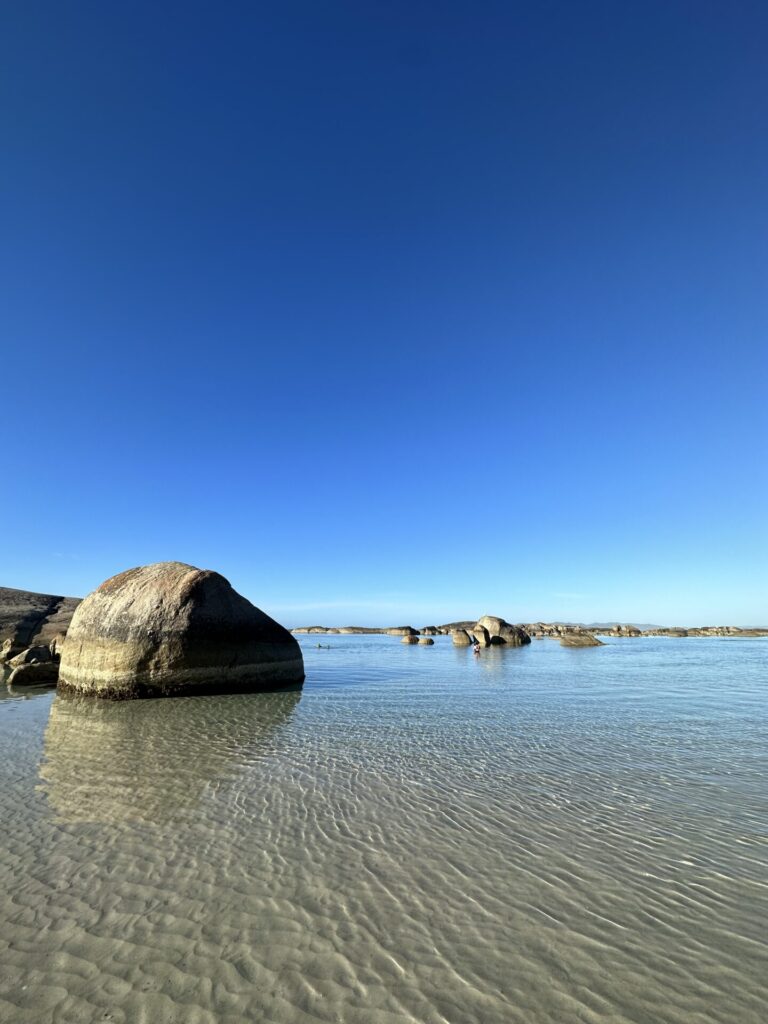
{"type": "Point", "coordinates": [535, 835]}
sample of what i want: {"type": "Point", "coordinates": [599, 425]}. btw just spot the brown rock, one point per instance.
{"type": "Point", "coordinates": [169, 628]}
{"type": "Point", "coordinates": [583, 639]}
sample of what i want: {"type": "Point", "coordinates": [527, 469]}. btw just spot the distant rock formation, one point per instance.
{"type": "Point", "coordinates": [402, 631]}
{"type": "Point", "coordinates": [409, 639]}
{"type": "Point", "coordinates": [429, 631]}
{"type": "Point", "coordinates": [426, 640]}
{"type": "Point", "coordinates": [499, 631]}
{"type": "Point", "coordinates": [170, 628]}
{"type": "Point", "coordinates": [461, 638]}
{"type": "Point", "coordinates": [580, 639]}
{"type": "Point", "coordinates": [481, 635]}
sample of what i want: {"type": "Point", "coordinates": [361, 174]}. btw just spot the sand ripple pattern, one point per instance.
{"type": "Point", "coordinates": [536, 835]}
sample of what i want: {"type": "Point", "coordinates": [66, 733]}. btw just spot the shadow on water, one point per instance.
{"type": "Point", "coordinates": [154, 761]}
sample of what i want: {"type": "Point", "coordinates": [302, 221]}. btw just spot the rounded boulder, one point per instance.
{"type": "Point", "coordinates": [169, 629]}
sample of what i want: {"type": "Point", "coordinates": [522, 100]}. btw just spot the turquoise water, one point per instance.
{"type": "Point", "coordinates": [532, 835]}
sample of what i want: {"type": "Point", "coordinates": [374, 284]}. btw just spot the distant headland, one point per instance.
{"type": "Point", "coordinates": [539, 630]}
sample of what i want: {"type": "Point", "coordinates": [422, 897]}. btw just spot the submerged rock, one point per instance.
{"type": "Point", "coordinates": [170, 628]}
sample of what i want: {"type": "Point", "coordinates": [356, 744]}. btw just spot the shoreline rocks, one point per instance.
{"type": "Point", "coordinates": [170, 628]}
{"type": "Point", "coordinates": [31, 620]}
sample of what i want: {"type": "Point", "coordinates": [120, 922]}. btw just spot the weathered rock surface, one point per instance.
{"type": "Point", "coordinates": [170, 628]}
{"type": "Point", "coordinates": [461, 638]}
{"type": "Point", "coordinates": [28, 619]}
{"type": "Point", "coordinates": [582, 639]}
{"type": "Point", "coordinates": [429, 631]}
{"type": "Point", "coordinates": [409, 639]}
{"type": "Point", "coordinates": [402, 631]}
{"type": "Point", "coordinates": [426, 640]}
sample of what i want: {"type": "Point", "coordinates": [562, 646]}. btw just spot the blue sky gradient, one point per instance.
{"type": "Point", "coordinates": [390, 312]}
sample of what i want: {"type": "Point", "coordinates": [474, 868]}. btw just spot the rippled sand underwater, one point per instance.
{"type": "Point", "coordinates": [535, 835]}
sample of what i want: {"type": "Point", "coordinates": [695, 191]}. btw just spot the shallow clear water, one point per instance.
{"type": "Point", "coordinates": [535, 835]}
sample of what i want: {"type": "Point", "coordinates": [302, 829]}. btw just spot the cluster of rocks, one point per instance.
{"type": "Point", "coordinates": [490, 630]}
{"type": "Point", "coordinates": [704, 631]}
{"type": "Point", "coordinates": [158, 630]}
{"type": "Point", "coordinates": [382, 630]}
{"type": "Point", "coordinates": [32, 629]}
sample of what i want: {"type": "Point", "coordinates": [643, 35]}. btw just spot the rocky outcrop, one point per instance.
{"type": "Point", "coordinates": [409, 639]}
{"type": "Point", "coordinates": [481, 635]}
{"type": "Point", "coordinates": [28, 619]}
{"type": "Point", "coordinates": [461, 638]}
{"type": "Point", "coordinates": [170, 628]}
{"type": "Point", "coordinates": [402, 631]}
{"type": "Point", "coordinates": [499, 631]}
{"type": "Point", "coordinates": [429, 631]}
{"type": "Point", "coordinates": [426, 640]}
{"type": "Point", "coordinates": [580, 639]}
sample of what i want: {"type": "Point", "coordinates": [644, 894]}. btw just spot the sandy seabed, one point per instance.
{"type": "Point", "coordinates": [535, 835]}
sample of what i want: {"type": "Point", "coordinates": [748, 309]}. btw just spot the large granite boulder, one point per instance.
{"type": "Point", "coordinates": [169, 628]}
{"type": "Point", "coordinates": [492, 623]}
{"type": "Point", "coordinates": [481, 635]}
{"type": "Point", "coordinates": [402, 631]}
{"type": "Point", "coordinates": [500, 631]}
{"type": "Point", "coordinates": [426, 640]}
{"type": "Point", "coordinates": [461, 638]}
{"type": "Point", "coordinates": [409, 639]}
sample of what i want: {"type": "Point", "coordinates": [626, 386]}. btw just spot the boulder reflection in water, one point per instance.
{"type": "Point", "coordinates": [154, 761]}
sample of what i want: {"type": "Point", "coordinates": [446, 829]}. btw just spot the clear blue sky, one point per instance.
{"type": "Point", "coordinates": [390, 311]}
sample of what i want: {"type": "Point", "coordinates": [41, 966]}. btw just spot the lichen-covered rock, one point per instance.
{"type": "Point", "coordinates": [461, 638]}
{"type": "Point", "coordinates": [169, 628]}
